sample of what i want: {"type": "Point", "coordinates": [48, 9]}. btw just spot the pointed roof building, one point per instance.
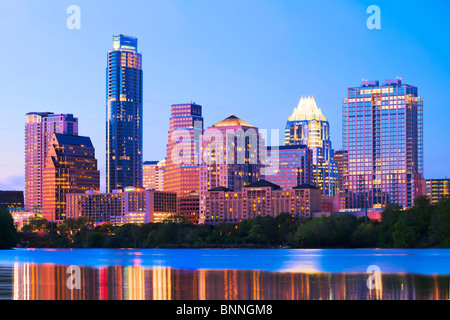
{"type": "Point", "coordinates": [307, 110]}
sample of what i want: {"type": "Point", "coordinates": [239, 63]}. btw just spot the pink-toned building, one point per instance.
{"type": "Point", "coordinates": [230, 153]}
{"type": "Point", "coordinates": [261, 198]}
{"type": "Point", "coordinates": [39, 129]}
{"type": "Point", "coordinates": [153, 175]}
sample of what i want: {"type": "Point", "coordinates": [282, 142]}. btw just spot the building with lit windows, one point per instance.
{"type": "Point", "coordinates": [181, 171]}
{"type": "Point", "coordinates": [436, 189]}
{"type": "Point", "coordinates": [124, 137]}
{"type": "Point", "coordinates": [262, 198]}
{"type": "Point", "coordinates": [308, 126]}
{"type": "Point", "coordinates": [383, 136]}
{"type": "Point", "coordinates": [130, 205]}
{"type": "Point", "coordinates": [230, 151]}
{"type": "Point", "coordinates": [341, 158]}
{"type": "Point", "coordinates": [288, 166]}
{"type": "Point", "coordinates": [39, 128]}
{"type": "Point", "coordinates": [71, 167]}
{"type": "Point", "coordinates": [153, 175]}
{"type": "Point", "coordinates": [182, 161]}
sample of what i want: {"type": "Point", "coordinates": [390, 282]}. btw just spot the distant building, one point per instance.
{"type": "Point", "coordinates": [124, 114]}
{"type": "Point", "coordinates": [39, 128]}
{"type": "Point", "coordinates": [289, 166]}
{"type": "Point", "coordinates": [153, 175]}
{"type": "Point", "coordinates": [436, 189]}
{"type": "Point", "coordinates": [261, 198]}
{"type": "Point", "coordinates": [308, 126]}
{"type": "Point", "coordinates": [230, 157]}
{"type": "Point", "coordinates": [188, 207]}
{"type": "Point", "coordinates": [71, 168]}
{"type": "Point", "coordinates": [341, 158]}
{"type": "Point", "coordinates": [131, 205]}
{"type": "Point", "coordinates": [382, 132]}
{"type": "Point", "coordinates": [11, 199]}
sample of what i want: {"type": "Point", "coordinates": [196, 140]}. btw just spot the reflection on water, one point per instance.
{"type": "Point", "coordinates": [30, 281]}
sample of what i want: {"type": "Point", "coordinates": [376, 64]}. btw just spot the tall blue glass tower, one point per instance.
{"type": "Point", "coordinates": [124, 115]}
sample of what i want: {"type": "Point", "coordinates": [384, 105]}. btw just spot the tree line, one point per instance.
{"type": "Point", "coordinates": [422, 226]}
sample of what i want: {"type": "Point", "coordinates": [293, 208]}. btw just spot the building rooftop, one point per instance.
{"type": "Point", "coordinates": [263, 184]}
{"type": "Point", "coordinates": [305, 186]}
{"type": "Point", "coordinates": [307, 110]}
{"type": "Point", "coordinates": [64, 139]}
{"type": "Point", "coordinates": [232, 121]}
{"type": "Point", "coordinates": [220, 188]}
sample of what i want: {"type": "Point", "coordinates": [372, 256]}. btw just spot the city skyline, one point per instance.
{"type": "Point", "coordinates": [218, 95]}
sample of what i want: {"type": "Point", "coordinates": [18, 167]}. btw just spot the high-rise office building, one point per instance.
{"type": "Point", "coordinates": [230, 157]}
{"type": "Point", "coordinates": [308, 126]}
{"type": "Point", "coordinates": [383, 135]}
{"type": "Point", "coordinates": [437, 189]}
{"type": "Point", "coordinates": [124, 136]}
{"type": "Point", "coordinates": [182, 159]}
{"type": "Point", "coordinates": [39, 128]}
{"type": "Point", "coordinates": [71, 167]}
{"type": "Point", "coordinates": [153, 175]}
{"type": "Point", "coordinates": [289, 166]}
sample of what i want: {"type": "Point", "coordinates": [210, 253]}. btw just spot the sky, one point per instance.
{"type": "Point", "coordinates": [251, 58]}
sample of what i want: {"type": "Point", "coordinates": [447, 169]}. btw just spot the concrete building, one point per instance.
{"type": "Point", "coordinates": [130, 205]}
{"type": "Point", "coordinates": [71, 167]}
{"type": "Point", "coordinates": [261, 198]}
{"type": "Point", "coordinates": [39, 128]}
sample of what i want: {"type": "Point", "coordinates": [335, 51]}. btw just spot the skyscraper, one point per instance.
{"type": "Point", "coordinates": [230, 157]}
{"type": "Point", "coordinates": [382, 132]}
{"type": "Point", "coordinates": [39, 129]}
{"type": "Point", "coordinates": [71, 167]}
{"type": "Point", "coordinates": [308, 126]}
{"type": "Point", "coordinates": [124, 115]}
{"type": "Point", "coordinates": [182, 162]}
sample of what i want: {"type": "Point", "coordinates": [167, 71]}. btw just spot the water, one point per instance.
{"type": "Point", "coordinates": [228, 274]}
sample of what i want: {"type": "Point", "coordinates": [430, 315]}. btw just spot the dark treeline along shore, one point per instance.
{"type": "Point", "coordinates": [422, 226]}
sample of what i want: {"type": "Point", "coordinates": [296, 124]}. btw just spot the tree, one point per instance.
{"type": "Point", "coordinates": [8, 232]}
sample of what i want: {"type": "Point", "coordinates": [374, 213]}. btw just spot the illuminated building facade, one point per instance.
{"type": "Point", "coordinates": [436, 189]}
{"type": "Point", "coordinates": [289, 166]}
{"type": "Point", "coordinates": [341, 158]}
{"type": "Point", "coordinates": [39, 128]}
{"type": "Point", "coordinates": [308, 126]}
{"type": "Point", "coordinates": [230, 157]}
{"type": "Point", "coordinates": [188, 207]}
{"type": "Point", "coordinates": [124, 136]}
{"type": "Point", "coordinates": [182, 161]}
{"type": "Point", "coordinates": [383, 137]}
{"type": "Point", "coordinates": [261, 198]}
{"type": "Point", "coordinates": [71, 168]}
{"type": "Point", "coordinates": [153, 175]}
{"type": "Point", "coordinates": [130, 205]}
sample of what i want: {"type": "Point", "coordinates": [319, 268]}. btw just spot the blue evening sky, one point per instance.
{"type": "Point", "coordinates": [250, 58]}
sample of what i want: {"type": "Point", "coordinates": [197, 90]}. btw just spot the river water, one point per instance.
{"type": "Point", "coordinates": [225, 274]}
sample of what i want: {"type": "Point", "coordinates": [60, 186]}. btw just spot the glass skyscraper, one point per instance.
{"type": "Point", "coordinates": [124, 115]}
{"type": "Point", "coordinates": [383, 137]}
{"type": "Point", "coordinates": [308, 126]}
